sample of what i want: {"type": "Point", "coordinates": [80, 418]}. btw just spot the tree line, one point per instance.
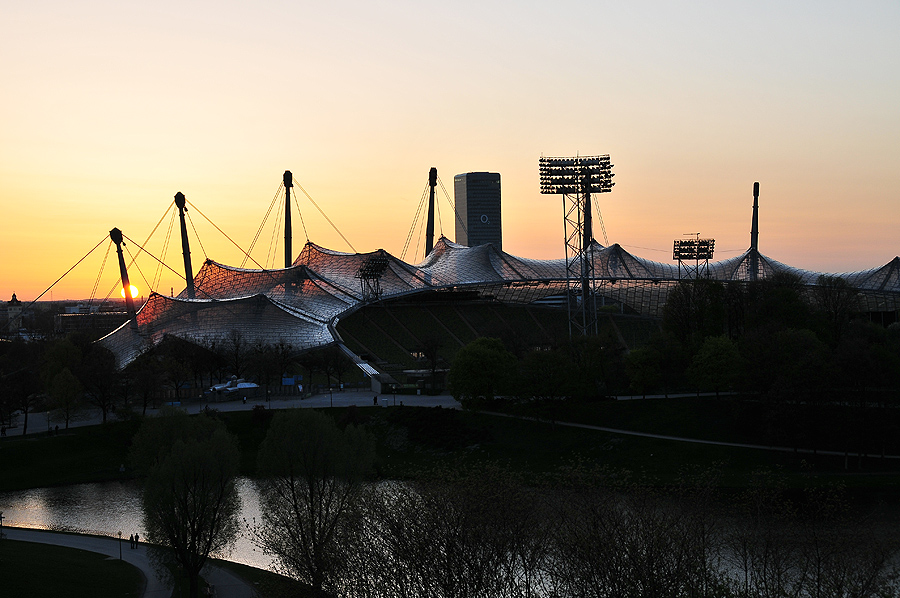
{"type": "Point", "coordinates": [775, 337]}
{"type": "Point", "coordinates": [69, 375]}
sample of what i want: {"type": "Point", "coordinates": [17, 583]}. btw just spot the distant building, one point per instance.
{"type": "Point", "coordinates": [13, 320]}
{"type": "Point", "coordinates": [477, 197]}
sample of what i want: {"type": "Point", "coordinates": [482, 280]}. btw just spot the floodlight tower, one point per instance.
{"type": "Point", "coordinates": [369, 274]}
{"type": "Point", "coordinates": [575, 179]}
{"type": "Point", "coordinates": [698, 250]}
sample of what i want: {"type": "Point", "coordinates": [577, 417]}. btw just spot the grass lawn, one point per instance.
{"type": "Point", "coordinates": [43, 570]}
{"type": "Point", "coordinates": [75, 456]}
{"type": "Point", "coordinates": [268, 584]}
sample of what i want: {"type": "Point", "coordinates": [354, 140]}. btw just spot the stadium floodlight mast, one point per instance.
{"type": "Point", "coordinates": [576, 178]}
{"type": "Point", "coordinates": [695, 250]}
{"type": "Point", "coordinates": [369, 274]}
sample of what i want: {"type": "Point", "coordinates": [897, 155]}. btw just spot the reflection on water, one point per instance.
{"type": "Point", "coordinates": [108, 508]}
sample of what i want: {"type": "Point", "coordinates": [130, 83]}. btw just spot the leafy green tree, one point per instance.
{"type": "Point", "coordinates": [545, 375]}
{"type": "Point", "coordinates": [190, 499]}
{"type": "Point", "coordinates": [597, 368]}
{"type": "Point", "coordinates": [717, 365]}
{"type": "Point", "coordinates": [643, 368]}
{"type": "Point", "coordinates": [777, 303]}
{"type": "Point", "coordinates": [310, 493]}
{"type": "Point", "coordinates": [482, 369]}
{"type": "Point", "coordinates": [798, 367]}
{"type": "Point", "coordinates": [694, 310]}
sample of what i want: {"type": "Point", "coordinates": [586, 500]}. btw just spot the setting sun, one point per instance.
{"type": "Point", "coordinates": [134, 291]}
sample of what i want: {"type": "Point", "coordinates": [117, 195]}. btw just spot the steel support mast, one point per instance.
{"type": "Point", "coordinates": [288, 250]}
{"type": "Point", "coordinates": [180, 201]}
{"type": "Point", "coordinates": [116, 236]}
{"type": "Point", "coordinates": [429, 226]}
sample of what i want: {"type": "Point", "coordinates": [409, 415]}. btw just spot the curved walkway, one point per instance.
{"type": "Point", "coordinates": [763, 447]}
{"type": "Point", "coordinates": [227, 584]}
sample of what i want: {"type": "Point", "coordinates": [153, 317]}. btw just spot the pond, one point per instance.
{"type": "Point", "coordinates": [108, 508]}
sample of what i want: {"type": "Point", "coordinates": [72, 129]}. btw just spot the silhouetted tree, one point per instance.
{"type": "Point", "coordinates": [335, 363]}
{"type": "Point", "coordinates": [99, 377]}
{"type": "Point", "coordinates": [190, 500]}
{"type": "Point", "coordinates": [481, 370]}
{"type": "Point", "coordinates": [236, 352]}
{"type": "Point", "coordinates": [146, 373]}
{"type": "Point", "coordinates": [311, 489]}
{"type": "Point", "coordinates": [717, 365]}
{"type": "Point", "coordinates": [597, 368]}
{"type": "Point", "coordinates": [694, 310]}
{"type": "Point", "coordinates": [643, 368]}
{"type": "Point", "coordinates": [65, 395]}
{"type": "Point", "coordinates": [20, 385]}
{"type": "Point", "coordinates": [835, 299]}
{"type": "Point", "coordinates": [545, 375]}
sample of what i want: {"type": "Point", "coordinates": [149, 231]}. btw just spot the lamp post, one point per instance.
{"type": "Point", "coordinates": [120, 545]}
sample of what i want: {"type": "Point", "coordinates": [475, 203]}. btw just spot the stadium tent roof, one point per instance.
{"type": "Point", "coordinates": [300, 304]}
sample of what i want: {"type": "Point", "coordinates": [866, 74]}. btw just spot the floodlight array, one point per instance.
{"type": "Point", "coordinates": [581, 174]}
{"type": "Point", "coordinates": [373, 267]}
{"type": "Point", "coordinates": [694, 249]}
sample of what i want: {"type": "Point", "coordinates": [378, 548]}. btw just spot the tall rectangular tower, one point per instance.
{"type": "Point", "coordinates": [477, 197]}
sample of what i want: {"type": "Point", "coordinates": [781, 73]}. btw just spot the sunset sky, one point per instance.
{"type": "Point", "coordinates": [108, 108]}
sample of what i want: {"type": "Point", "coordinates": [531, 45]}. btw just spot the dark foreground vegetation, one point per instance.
{"type": "Point", "coordinates": [480, 528]}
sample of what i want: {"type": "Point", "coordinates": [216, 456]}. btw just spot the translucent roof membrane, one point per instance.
{"type": "Point", "coordinates": [299, 304]}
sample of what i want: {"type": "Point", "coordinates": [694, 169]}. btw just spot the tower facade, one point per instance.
{"type": "Point", "coordinates": [477, 198]}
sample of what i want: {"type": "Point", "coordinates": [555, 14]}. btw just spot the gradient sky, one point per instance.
{"type": "Point", "coordinates": [107, 108]}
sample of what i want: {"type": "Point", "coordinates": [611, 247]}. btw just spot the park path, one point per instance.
{"type": "Point", "coordinates": [227, 584]}
{"type": "Point", "coordinates": [763, 447]}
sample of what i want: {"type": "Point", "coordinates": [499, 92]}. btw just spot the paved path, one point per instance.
{"type": "Point", "coordinates": [227, 585]}
{"type": "Point", "coordinates": [764, 447]}
{"type": "Point", "coordinates": [38, 422]}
